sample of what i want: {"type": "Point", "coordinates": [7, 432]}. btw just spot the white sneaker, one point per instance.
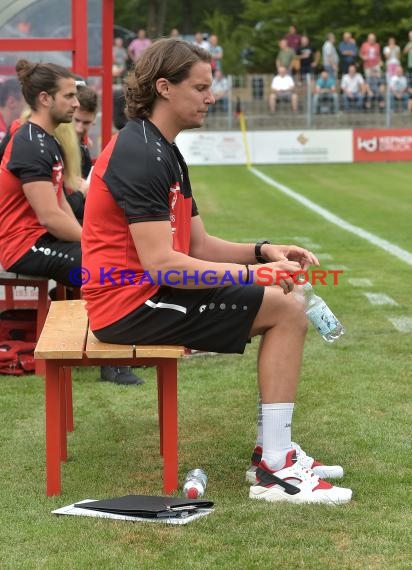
{"type": "Point", "coordinates": [295, 484]}
{"type": "Point", "coordinates": [323, 471]}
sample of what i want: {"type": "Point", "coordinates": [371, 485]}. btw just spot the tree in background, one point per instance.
{"type": "Point", "coordinates": [249, 30]}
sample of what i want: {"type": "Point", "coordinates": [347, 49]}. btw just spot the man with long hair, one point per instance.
{"type": "Point", "coordinates": [157, 276]}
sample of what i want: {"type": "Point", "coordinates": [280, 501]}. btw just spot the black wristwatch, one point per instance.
{"type": "Point", "coordinates": [258, 250]}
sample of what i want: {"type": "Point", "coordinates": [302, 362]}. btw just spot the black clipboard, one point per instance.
{"type": "Point", "coordinates": [148, 506]}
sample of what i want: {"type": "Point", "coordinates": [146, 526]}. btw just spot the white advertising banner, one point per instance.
{"type": "Point", "coordinates": [266, 147]}
{"type": "Point", "coordinates": [220, 147]}
{"type": "Point", "coordinates": [281, 147]}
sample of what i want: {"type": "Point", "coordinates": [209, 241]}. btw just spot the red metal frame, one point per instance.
{"type": "Point", "coordinates": [77, 44]}
{"type": "Point", "coordinates": [59, 414]}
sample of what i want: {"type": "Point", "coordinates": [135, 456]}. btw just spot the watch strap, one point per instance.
{"type": "Point", "coordinates": [258, 250]}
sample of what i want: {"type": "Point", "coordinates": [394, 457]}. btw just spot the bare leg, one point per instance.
{"type": "Point", "coordinates": [272, 102]}
{"type": "Point", "coordinates": [282, 323]}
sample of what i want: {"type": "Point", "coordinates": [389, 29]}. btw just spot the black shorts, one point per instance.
{"type": "Point", "coordinates": [217, 320]}
{"type": "Point", "coordinates": [52, 258]}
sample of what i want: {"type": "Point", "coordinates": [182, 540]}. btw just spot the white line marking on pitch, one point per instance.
{"type": "Point", "coordinates": [360, 282]}
{"type": "Point", "coordinates": [402, 324]}
{"type": "Point", "coordinates": [338, 267]}
{"type": "Point", "coordinates": [391, 248]}
{"type": "Point", "coordinates": [324, 256]}
{"type": "Point", "coordinates": [380, 299]}
{"type": "Point", "coordinates": [306, 242]}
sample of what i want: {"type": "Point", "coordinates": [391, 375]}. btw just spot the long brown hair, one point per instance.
{"type": "Point", "coordinates": [168, 58]}
{"type": "Point", "coordinates": [37, 77]}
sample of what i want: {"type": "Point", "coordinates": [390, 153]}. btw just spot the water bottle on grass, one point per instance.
{"type": "Point", "coordinates": [195, 484]}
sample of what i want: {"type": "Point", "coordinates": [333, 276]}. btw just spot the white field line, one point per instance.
{"type": "Point", "coordinates": [360, 282]}
{"type": "Point", "coordinates": [380, 299]}
{"type": "Point", "coordinates": [402, 324]}
{"type": "Point", "coordinates": [324, 256]}
{"type": "Point", "coordinates": [391, 248]}
{"type": "Point", "coordinates": [338, 267]}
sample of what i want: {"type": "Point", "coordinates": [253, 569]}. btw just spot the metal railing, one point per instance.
{"type": "Point", "coordinates": [250, 93]}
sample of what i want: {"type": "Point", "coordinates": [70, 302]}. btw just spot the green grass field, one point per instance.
{"type": "Point", "coordinates": [353, 408]}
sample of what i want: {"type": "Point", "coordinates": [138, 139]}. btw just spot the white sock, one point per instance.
{"type": "Point", "coordinates": [277, 433]}
{"type": "Point", "coordinates": [259, 436]}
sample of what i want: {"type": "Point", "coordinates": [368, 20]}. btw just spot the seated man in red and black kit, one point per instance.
{"type": "Point", "coordinates": [39, 234]}
{"type": "Point", "coordinates": [157, 276]}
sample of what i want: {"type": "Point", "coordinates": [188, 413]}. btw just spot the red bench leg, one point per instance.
{"type": "Point", "coordinates": [167, 384]}
{"type": "Point", "coordinates": [53, 429]}
{"type": "Point", "coordinates": [69, 399]}
{"type": "Point", "coordinates": [42, 308]}
{"type": "Point", "coordinates": [160, 379]}
{"type": "Point", "coordinates": [63, 417]}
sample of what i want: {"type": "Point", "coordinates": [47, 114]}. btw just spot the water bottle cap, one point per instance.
{"type": "Point", "coordinates": [192, 493]}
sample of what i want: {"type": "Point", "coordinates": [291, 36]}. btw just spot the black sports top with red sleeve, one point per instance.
{"type": "Point", "coordinates": [31, 155]}
{"type": "Point", "coordinates": [139, 177]}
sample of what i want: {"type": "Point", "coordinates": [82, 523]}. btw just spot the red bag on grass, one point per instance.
{"type": "Point", "coordinates": [16, 357]}
{"type": "Point", "coordinates": [18, 324]}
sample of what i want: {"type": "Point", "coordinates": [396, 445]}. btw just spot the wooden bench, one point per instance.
{"type": "Point", "coordinates": [67, 341]}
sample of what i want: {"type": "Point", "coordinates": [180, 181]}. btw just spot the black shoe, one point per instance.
{"type": "Point", "coordinates": [119, 375]}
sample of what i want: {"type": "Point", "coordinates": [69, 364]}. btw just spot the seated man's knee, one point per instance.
{"type": "Point", "coordinates": [278, 309]}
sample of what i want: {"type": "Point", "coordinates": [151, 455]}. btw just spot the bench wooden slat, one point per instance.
{"type": "Point", "coordinates": [97, 349]}
{"type": "Point", "coordinates": [64, 333]}
{"type": "Point", "coordinates": [160, 351]}
{"type": "Point", "coordinates": [9, 275]}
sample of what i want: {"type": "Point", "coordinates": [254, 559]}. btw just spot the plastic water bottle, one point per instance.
{"type": "Point", "coordinates": [319, 314]}
{"type": "Point", "coordinates": [195, 484]}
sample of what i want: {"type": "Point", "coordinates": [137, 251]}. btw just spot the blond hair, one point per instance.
{"type": "Point", "coordinates": [66, 135]}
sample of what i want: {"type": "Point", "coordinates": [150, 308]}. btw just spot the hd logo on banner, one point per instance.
{"type": "Point", "coordinates": [379, 145]}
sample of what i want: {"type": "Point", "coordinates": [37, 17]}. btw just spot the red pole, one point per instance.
{"type": "Point", "coordinates": [79, 34]}
{"type": "Point", "coordinates": [107, 60]}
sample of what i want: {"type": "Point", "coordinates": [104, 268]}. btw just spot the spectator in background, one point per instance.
{"type": "Point", "coordinates": [84, 117]}
{"type": "Point", "coordinates": [375, 90]}
{"type": "Point", "coordinates": [307, 57]}
{"type": "Point", "coordinates": [330, 57]}
{"type": "Point", "coordinates": [201, 42]}
{"type": "Point", "coordinates": [174, 33]}
{"type": "Point", "coordinates": [216, 51]}
{"type": "Point", "coordinates": [11, 104]}
{"type": "Point", "coordinates": [293, 38]}
{"type": "Point", "coordinates": [407, 50]}
{"type": "Point", "coordinates": [282, 89]}
{"type": "Point", "coordinates": [325, 92]}
{"type": "Point", "coordinates": [398, 87]}
{"type": "Point", "coordinates": [410, 93]}
{"type": "Point", "coordinates": [24, 27]}
{"type": "Point", "coordinates": [370, 54]}
{"type": "Point", "coordinates": [220, 90]}
{"type": "Point", "coordinates": [293, 41]}
{"type": "Point", "coordinates": [120, 58]}
{"type": "Point", "coordinates": [353, 88]}
{"type": "Point", "coordinates": [285, 56]}
{"type": "Point", "coordinates": [138, 45]}
{"type": "Point", "coordinates": [392, 55]}
{"type": "Point", "coordinates": [348, 51]}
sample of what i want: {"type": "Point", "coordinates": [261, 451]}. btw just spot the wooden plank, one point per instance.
{"type": "Point", "coordinates": [160, 351]}
{"type": "Point", "coordinates": [64, 332]}
{"type": "Point", "coordinates": [97, 349]}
